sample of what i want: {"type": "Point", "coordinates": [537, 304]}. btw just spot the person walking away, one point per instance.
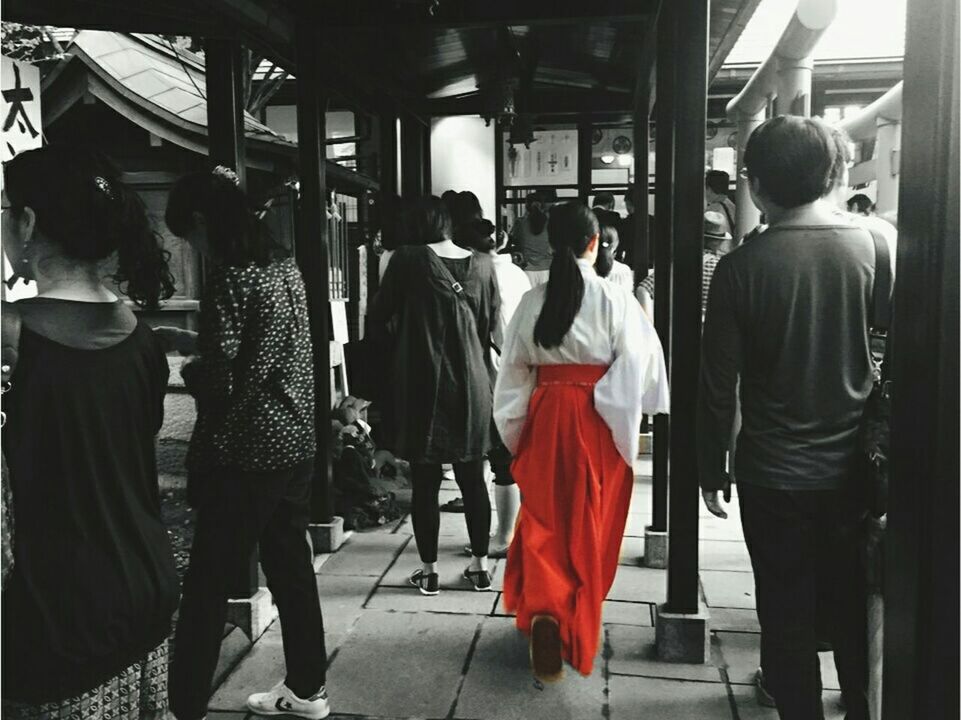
{"type": "Point", "coordinates": [512, 283]}
{"type": "Point", "coordinates": [607, 266]}
{"type": "Point", "coordinates": [715, 239]}
{"type": "Point", "coordinates": [88, 605]}
{"type": "Point", "coordinates": [716, 186]}
{"type": "Point", "coordinates": [788, 313]}
{"type": "Point", "coordinates": [251, 456]}
{"type": "Point", "coordinates": [579, 368]}
{"type": "Point", "coordinates": [445, 303]}
{"type": "Point", "coordinates": [530, 237]}
{"type": "Point", "coordinates": [604, 210]}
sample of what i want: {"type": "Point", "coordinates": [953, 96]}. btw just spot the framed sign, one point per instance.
{"type": "Point", "coordinates": [22, 127]}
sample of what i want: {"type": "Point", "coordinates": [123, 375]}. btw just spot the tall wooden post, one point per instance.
{"type": "Point", "coordinates": [921, 547]}
{"type": "Point", "coordinates": [584, 152]}
{"type": "Point", "coordinates": [682, 632]}
{"type": "Point", "coordinates": [312, 257]}
{"type": "Point", "coordinates": [415, 156]}
{"type": "Point", "coordinates": [642, 130]}
{"type": "Point", "coordinates": [688, 243]}
{"type": "Point", "coordinates": [498, 177]}
{"type": "Point", "coordinates": [663, 272]}
{"type": "Point", "coordinates": [225, 127]}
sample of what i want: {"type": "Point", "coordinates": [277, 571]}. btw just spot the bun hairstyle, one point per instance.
{"type": "Point", "coordinates": [570, 229]}
{"type": "Point", "coordinates": [83, 208]}
{"type": "Point", "coordinates": [536, 213]}
{"type": "Point", "coordinates": [242, 237]}
{"type": "Point", "coordinates": [605, 250]}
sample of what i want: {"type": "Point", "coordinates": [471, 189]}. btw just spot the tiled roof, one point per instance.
{"type": "Point", "coordinates": [157, 76]}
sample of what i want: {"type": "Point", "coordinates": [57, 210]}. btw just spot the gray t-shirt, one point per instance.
{"type": "Point", "coordinates": [788, 312]}
{"type": "Point", "coordinates": [536, 247]}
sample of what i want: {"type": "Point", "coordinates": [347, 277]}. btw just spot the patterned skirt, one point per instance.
{"type": "Point", "coordinates": [138, 692]}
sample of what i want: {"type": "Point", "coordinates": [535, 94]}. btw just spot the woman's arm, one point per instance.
{"type": "Point", "coordinates": [636, 383]}
{"type": "Point", "coordinates": [515, 381]}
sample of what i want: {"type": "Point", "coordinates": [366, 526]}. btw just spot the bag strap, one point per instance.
{"type": "Point", "coordinates": [881, 295]}
{"type": "Point", "coordinates": [11, 324]}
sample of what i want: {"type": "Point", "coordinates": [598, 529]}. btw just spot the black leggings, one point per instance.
{"type": "Point", "coordinates": [426, 515]}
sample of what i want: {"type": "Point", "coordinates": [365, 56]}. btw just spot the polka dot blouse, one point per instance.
{"type": "Point", "coordinates": [253, 376]}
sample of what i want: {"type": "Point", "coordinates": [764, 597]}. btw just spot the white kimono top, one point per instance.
{"type": "Point", "coordinates": [512, 283]}
{"type": "Point", "coordinates": [609, 329]}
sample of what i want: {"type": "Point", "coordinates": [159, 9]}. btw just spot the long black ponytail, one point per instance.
{"type": "Point", "coordinates": [571, 228]}
{"type": "Point", "coordinates": [89, 214]}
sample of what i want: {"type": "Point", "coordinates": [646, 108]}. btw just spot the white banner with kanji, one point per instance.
{"type": "Point", "coordinates": [22, 127]}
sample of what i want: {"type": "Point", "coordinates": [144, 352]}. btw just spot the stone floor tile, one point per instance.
{"type": "Point", "coordinates": [728, 589]}
{"type": "Point", "coordinates": [400, 663]}
{"type": "Point", "coordinates": [258, 671]}
{"type": "Point", "coordinates": [636, 522]}
{"type": "Point", "coordinates": [639, 584]}
{"type": "Point", "coordinates": [733, 619]}
{"type": "Point", "coordinates": [499, 685]}
{"type": "Point", "coordinates": [714, 528]}
{"type": "Point", "coordinates": [742, 655]}
{"type": "Point", "coordinates": [632, 551]}
{"type": "Point", "coordinates": [633, 653]}
{"type": "Point", "coordinates": [499, 608]}
{"type": "Point", "coordinates": [342, 599]}
{"type": "Point", "coordinates": [451, 524]}
{"type": "Point", "coordinates": [748, 708]}
{"type": "Point", "coordinates": [627, 613]}
{"type": "Point", "coordinates": [723, 555]}
{"type": "Point", "coordinates": [634, 698]}
{"type": "Point", "coordinates": [365, 554]}
{"type": "Point", "coordinates": [409, 600]}
{"type": "Point", "coordinates": [180, 415]}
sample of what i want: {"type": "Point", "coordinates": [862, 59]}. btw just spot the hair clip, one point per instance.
{"type": "Point", "coordinates": [103, 185]}
{"type": "Point", "coordinates": [222, 171]}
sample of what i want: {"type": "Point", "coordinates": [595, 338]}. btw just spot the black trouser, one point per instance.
{"type": "Point", "coordinates": [426, 511]}
{"type": "Point", "coordinates": [239, 509]}
{"type": "Point", "coordinates": [808, 577]}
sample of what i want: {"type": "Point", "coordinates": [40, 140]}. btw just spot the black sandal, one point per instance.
{"type": "Point", "coordinates": [427, 583]}
{"type": "Point", "coordinates": [480, 579]}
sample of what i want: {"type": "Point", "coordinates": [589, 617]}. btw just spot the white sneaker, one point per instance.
{"type": "Point", "coordinates": [280, 700]}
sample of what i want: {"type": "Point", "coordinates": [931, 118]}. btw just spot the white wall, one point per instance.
{"type": "Point", "coordinates": [462, 158]}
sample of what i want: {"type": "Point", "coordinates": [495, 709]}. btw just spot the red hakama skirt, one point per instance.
{"type": "Point", "coordinates": [576, 491]}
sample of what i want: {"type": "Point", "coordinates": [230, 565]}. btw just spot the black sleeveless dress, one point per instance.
{"type": "Point", "coordinates": [94, 585]}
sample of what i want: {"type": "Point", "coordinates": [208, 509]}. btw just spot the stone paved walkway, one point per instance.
{"type": "Point", "coordinates": [397, 654]}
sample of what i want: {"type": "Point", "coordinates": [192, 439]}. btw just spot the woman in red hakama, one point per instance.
{"type": "Point", "coordinates": [568, 404]}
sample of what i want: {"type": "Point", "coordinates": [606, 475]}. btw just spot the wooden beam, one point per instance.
{"type": "Point", "coordinates": [490, 13]}
{"type": "Point", "coordinates": [584, 151]}
{"type": "Point", "coordinates": [690, 49]}
{"type": "Point", "coordinates": [541, 101]}
{"type": "Point", "coordinates": [312, 251]}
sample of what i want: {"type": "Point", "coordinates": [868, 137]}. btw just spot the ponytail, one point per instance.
{"type": "Point", "coordinates": [84, 209]}
{"type": "Point", "coordinates": [570, 229]}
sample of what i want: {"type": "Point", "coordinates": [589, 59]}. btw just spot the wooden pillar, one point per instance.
{"type": "Point", "coordinates": [387, 124]}
{"type": "Point", "coordinates": [584, 151]}
{"type": "Point", "coordinates": [312, 250]}
{"type": "Point", "coordinates": [415, 156]}
{"type": "Point", "coordinates": [227, 147]}
{"type": "Point", "coordinates": [498, 177]}
{"type": "Point", "coordinates": [663, 223]}
{"type": "Point", "coordinates": [921, 547]}
{"type": "Point", "coordinates": [690, 110]}
{"type": "Point", "coordinates": [642, 242]}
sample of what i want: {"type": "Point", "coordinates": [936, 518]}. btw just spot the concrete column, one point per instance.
{"type": "Point", "coordinates": [794, 86]}
{"type": "Point", "coordinates": [747, 215]}
{"type": "Point", "coordinates": [887, 163]}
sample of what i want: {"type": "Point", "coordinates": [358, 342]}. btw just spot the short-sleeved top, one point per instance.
{"type": "Point", "coordinates": [253, 378]}
{"type": "Point", "coordinates": [94, 584]}
{"type": "Point", "coordinates": [445, 311]}
{"type": "Point", "coordinates": [535, 247]}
